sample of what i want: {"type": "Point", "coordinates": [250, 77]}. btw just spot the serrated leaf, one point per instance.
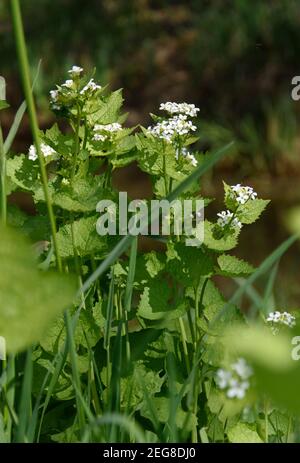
{"type": "Point", "coordinates": [227, 242]}
{"type": "Point", "coordinates": [251, 211]}
{"type": "Point", "coordinates": [155, 302]}
{"type": "Point", "coordinates": [189, 264]}
{"type": "Point", "coordinates": [23, 172]}
{"type": "Point", "coordinates": [86, 239]}
{"type": "Point", "coordinates": [243, 433]}
{"type": "Point", "coordinates": [232, 266]}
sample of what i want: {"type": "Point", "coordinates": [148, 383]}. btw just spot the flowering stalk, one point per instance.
{"type": "Point", "coordinates": [24, 68]}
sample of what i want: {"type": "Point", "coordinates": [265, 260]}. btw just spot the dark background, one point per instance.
{"type": "Point", "coordinates": [234, 59]}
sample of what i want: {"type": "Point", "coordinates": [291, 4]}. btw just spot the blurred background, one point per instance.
{"type": "Point", "coordinates": [235, 59]}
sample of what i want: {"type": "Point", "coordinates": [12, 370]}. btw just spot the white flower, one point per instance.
{"type": "Point", "coordinates": [68, 83]}
{"type": "Point", "coordinates": [282, 318]}
{"type": "Point", "coordinates": [226, 218]}
{"type": "Point", "coordinates": [192, 159]}
{"type": "Point", "coordinates": [114, 127]}
{"type": "Point", "coordinates": [177, 125]}
{"type": "Point", "coordinates": [186, 154]}
{"type": "Point", "coordinates": [99, 137]}
{"type": "Point", "coordinates": [54, 95]}
{"type": "Point", "coordinates": [241, 367]}
{"type": "Point", "coordinates": [234, 381]}
{"type": "Point", "coordinates": [223, 378]}
{"type": "Point", "coordinates": [237, 389]}
{"type": "Point", "coordinates": [90, 86]}
{"type": "Point", "coordinates": [180, 108]}
{"type": "Point", "coordinates": [45, 149]}
{"type": "Point", "coordinates": [75, 71]}
{"type": "Point", "coordinates": [242, 194]}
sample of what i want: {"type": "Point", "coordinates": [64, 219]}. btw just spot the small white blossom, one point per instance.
{"type": "Point", "coordinates": [281, 318]}
{"type": "Point", "coordinates": [180, 108]}
{"type": "Point", "coordinates": [90, 86]}
{"type": "Point", "coordinates": [237, 389]}
{"type": "Point", "coordinates": [177, 125]}
{"type": "Point", "coordinates": [242, 194]}
{"type": "Point", "coordinates": [242, 368]}
{"type": "Point", "coordinates": [234, 381]}
{"type": "Point", "coordinates": [222, 378]}
{"type": "Point", "coordinates": [99, 137]}
{"type": "Point", "coordinates": [68, 83]}
{"type": "Point", "coordinates": [45, 149]}
{"type": "Point", "coordinates": [114, 127]}
{"type": "Point", "coordinates": [75, 71]}
{"type": "Point", "coordinates": [226, 218]}
{"type": "Point", "coordinates": [54, 95]}
{"type": "Point", "coordinates": [186, 154]}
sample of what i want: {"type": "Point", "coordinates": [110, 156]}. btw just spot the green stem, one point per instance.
{"type": "Point", "coordinates": [77, 144]}
{"type": "Point", "coordinates": [184, 344]}
{"type": "Point", "coordinates": [25, 74]}
{"type": "Point", "coordinates": [3, 179]}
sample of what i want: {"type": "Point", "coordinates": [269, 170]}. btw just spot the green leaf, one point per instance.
{"type": "Point", "coordinates": [23, 172]}
{"type": "Point", "coordinates": [189, 264]}
{"type": "Point", "coordinates": [243, 433]}
{"type": "Point", "coordinates": [155, 302]}
{"type": "Point", "coordinates": [225, 243]}
{"type": "Point", "coordinates": [29, 300]}
{"type": "Point", "coordinates": [250, 212]}
{"type": "Point", "coordinates": [232, 266]}
{"type": "Point", "coordinates": [86, 239]}
{"type": "Point", "coordinates": [108, 109]}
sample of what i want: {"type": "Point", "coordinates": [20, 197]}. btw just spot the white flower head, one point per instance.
{"type": "Point", "coordinates": [186, 154]}
{"type": "Point", "coordinates": [281, 318]}
{"type": "Point", "coordinates": [223, 378]}
{"type": "Point", "coordinates": [226, 218]}
{"type": "Point", "coordinates": [91, 86]}
{"type": "Point", "coordinates": [68, 83]}
{"type": "Point", "coordinates": [176, 125]}
{"type": "Point", "coordinates": [235, 380]}
{"type": "Point", "coordinates": [180, 108]}
{"type": "Point", "coordinates": [99, 137]}
{"type": "Point", "coordinates": [45, 149]}
{"type": "Point", "coordinates": [114, 127]}
{"type": "Point", "coordinates": [54, 95]}
{"type": "Point", "coordinates": [75, 71]}
{"type": "Point", "coordinates": [242, 369]}
{"type": "Point", "coordinates": [242, 194]}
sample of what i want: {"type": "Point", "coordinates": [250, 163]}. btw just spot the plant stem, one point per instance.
{"type": "Point", "coordinates": [77, 144]}
{"type": "Point", "coordinates": [184, 344]}
{"type": "Point", "coordinates": [25, 74]}
{"type": "Point", "coordinates": [3, 179]}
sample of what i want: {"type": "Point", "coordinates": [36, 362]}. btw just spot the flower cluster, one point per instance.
{"type": "Point", "coordinates": [71, 88]}
{"type": "Point", "coordinates": [227, 219]}
{"type": "Point", "coordinates": [168, 128]}
{"type": "Point", "coordinates": [281, 318]}
{"type": "Point", "coordinates": [242, 194]}
{"type": "Point", "coordinates": [105, 130]}
{"type": "Point", "coordinates": [180, 108]}
{"type": "Point", "coordinates": [235, 381]}
{"type": "Point", "coordinates": [45, 149]}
